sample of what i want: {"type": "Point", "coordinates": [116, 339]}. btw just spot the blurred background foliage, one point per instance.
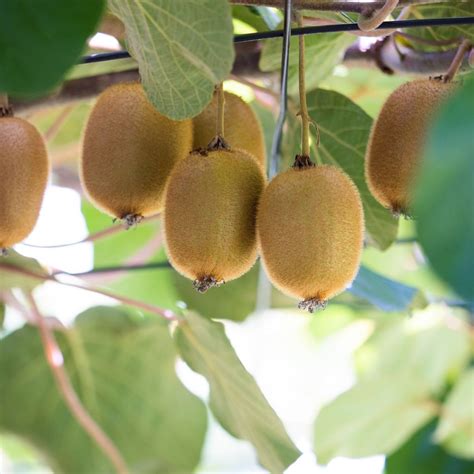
{"type": "Point", "coordinates": [381, 381]}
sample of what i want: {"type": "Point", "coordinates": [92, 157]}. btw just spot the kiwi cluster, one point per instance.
{"type": "Point", "coordinates": [24, 168]}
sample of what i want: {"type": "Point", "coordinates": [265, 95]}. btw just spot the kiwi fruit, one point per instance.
{"type": "Point", "coordinates": [242, 127]}
{"type": "Point", "coordinates": [397, 139]}
{"type": "Point", "coordinates": [210, 211]}
{"type": "Point", "coordinates": [128, 153]}
{"type": "Point", "coordinates": [24, 173]}
{"type": "Point", "coordinates": [310, 229]}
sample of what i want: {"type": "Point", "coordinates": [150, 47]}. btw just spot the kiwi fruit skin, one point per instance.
{"type": "Point", "coordinates": [310, 229]}
{"type": "Point", "coordinates": [129, 151]}
{"type": "Point", "coordinates": [242, 127]}
{"type": "Point", "coordinates": [397, 139]}
{"type": "Point", "coordinates": [210, 214]}
{"type": "Point", "coordinates": [24, 166]}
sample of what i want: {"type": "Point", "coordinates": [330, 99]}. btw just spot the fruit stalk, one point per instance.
{"type": "Point", "coordinates": [220, 111]}
{"type": "Point", "coordinates": [464, 48]}
{"type": "Point", "coordinates": [305, 152]}
{"type": "Point", "coordinates": [5, 109]}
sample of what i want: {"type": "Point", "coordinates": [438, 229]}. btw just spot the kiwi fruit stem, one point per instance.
{"type": "Point", "coordinates": [464, 48]}
{"type": "Point", "coordinates": [305, 119]}
{"type": "Point", "coordinates": [204, 283]}
{"type": "Point", "coordinates": [377, 17]}
{"type": "Point", "coordinates": [5, 109]}
{"type": "Point", "coordinates": [218, 142]}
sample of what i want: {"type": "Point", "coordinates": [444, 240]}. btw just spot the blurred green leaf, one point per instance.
{"type": "Point", "coordinates": [455, 430]}
{"type": "Point", "coordinates": [420, 455]}
{"type": "Point", "coordinates": [122, 367]}
{"type": "Point", "coordinates": [41, 40]}
{"type": "Point", "coordinates": [2, 315]}
{"type": "Point", "coordinates": [376, 416]}
{"type": "Point", "coordinates": [454, 8]}
{"type": "Point", "coordinates": [11, 276]}
{"type": "Point", "coordinates": [444, 202]}
{"type": "Point", "coordinates": [433, 354]}
{"type": "Point", "coordinates": [386, 294]}
{"type": "Point", "coordinates": [235, 400]}
{"type": "Point", "coordinates": [344, 132]}
{"type": "Point", "coordinates": [249, 16]}
{"type": "Point", "coordinates": [183, 51]}
{"type": "Point", "coordinates": [323, 53]}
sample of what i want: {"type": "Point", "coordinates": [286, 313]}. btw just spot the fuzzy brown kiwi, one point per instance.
{"type": "Point", "coordinates": [397, 139]}
{"type": "Point", "coordinates": [24, 169]}
{"type": "Point", "coordinates": [209, 219]}
{"type": "Point", "coordinates": [129, 151]}
{"type": "Point", "coordinates": [242, 127]}
{"type": "Point", "coordinates": [310, 229]}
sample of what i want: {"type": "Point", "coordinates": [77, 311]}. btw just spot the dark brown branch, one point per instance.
{"type": "Point", "coordinates": [346, 6]}
{"type": "Point", "coordinates": [246, 64]}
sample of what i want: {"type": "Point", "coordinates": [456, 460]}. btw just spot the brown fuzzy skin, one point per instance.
{"type": "Point", "coordinates": [24, 169]}
{"type": "Point", "coordinates": [129, 151]}
{"type": "Point", "coordinates": [397, 139]}
{"type": "Point", "coordinates": [310, 229]}
{"type": "Point", "coordinates": [210, 213]}
{"type": "Point", "coordinates": [242, 127]}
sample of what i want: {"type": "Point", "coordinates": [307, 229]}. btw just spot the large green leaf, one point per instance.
{"type": "Point", "coordinates": [420, 455]}
{"type": "Point", "coordinates": [374, 417]}
{"type": "Point", "coordinates": [323, 53]}
{"type": "Point", "coordinates": [444, 203]}
{"type": "Point", "coordinates": [183, 50]}
{"type": "Point", "coordinates": [456, 426]}
{"type": "Point", "coordinates": [41, 39]}
{"type": "Point", "coordinates": [235, 400]}
{"type": "Point", "coordinates": [122, 367]}
{"type": "Point", "coordinates": [344, 133]}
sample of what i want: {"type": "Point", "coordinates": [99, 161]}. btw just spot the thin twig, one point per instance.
{"type": "Point", "coordinates": [164, 313]}
{"type": "Point", "coordinates": [464, 48]}
{"type": "Point", "coordinates": [255, 86]}
{"type": "Point", "coordinates": [55, 360]}
{"type": "Point", "coordinates": [376, 17]}
{"type": "Point", "coordinates": [107, 232]}
{"type": "Point", "coordinates": [338, 6]}
{"type": "Point", "coordinates": [58, 123]}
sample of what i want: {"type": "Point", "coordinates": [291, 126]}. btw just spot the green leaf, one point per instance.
{"type": "Point", "coordinates": [456, 426]}
{"type": "Point", "coordinates": [235, 400]}
{"type": "Point", "coordinates": [11, 268]}
{"type": "Point", "coordinates": [2, 315]}
{"type": "Point", "coordinates": [421, 454]}
{"type": "Point", "coordinates": [122, 367]}
{"type": "Point", "coordinates": [374, 417]}
{"type": "Point", "coordinates": [183, 50]}
{"type": "Point", "coordinates": [386, 294]}
{"type": "Point", "coordinates": [442, 10]}
{"type": "Point", "coordinates": [323, 53]}
{"type": "Point", "coordinates": [344, 133]}
{"type": "Point", "coordinates": [40, 40]}
{"type": "Point", "coordinates": [433, 354]}
{"type": "Point", "coordinates": [444, 206]}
